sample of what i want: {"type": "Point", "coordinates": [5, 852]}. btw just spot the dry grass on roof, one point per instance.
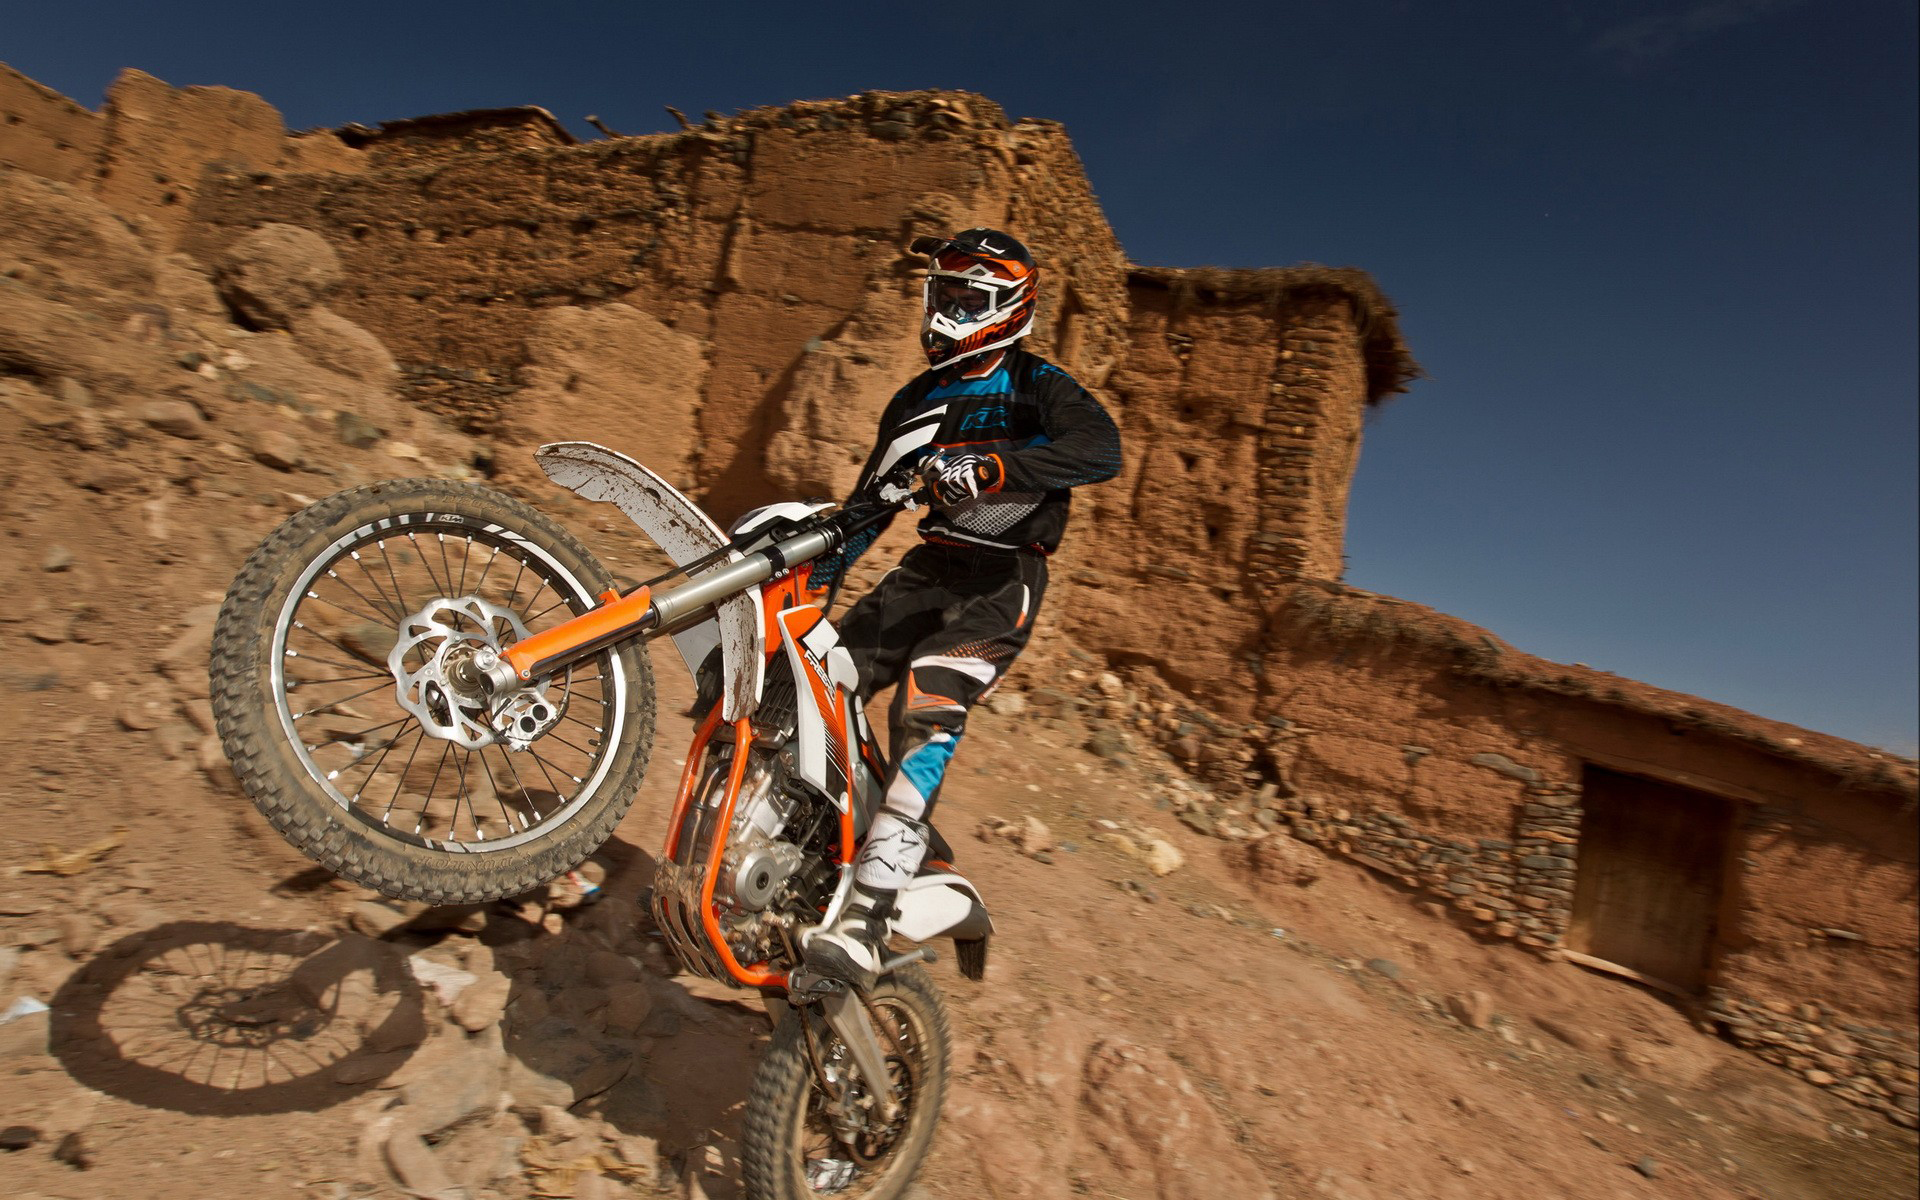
{"type": "Point", "coordinates": [1317, 612]}
{"type": "Point", "coordinates": [1391, 367]}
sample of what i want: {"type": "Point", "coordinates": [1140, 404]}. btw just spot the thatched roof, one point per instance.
{"type": "Point", "coordinates": [1390, 365]}
{"type": "Point", "coordinates": [1318, 612]}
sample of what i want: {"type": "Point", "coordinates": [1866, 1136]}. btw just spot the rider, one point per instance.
{"type": "Point", "coordinates": [1000, 436]}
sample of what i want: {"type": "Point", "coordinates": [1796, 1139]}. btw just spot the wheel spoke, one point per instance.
{"type": "Point", "coordinates": [399, 605]}
{"type": "Point", "coordinates": [333, 704]}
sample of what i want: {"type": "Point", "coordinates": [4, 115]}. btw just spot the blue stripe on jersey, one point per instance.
{"type": "Point", "coordinates": [996, 384]}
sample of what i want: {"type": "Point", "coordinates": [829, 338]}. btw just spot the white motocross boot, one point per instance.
{"type": "Point", "coordinates": [855, 945]}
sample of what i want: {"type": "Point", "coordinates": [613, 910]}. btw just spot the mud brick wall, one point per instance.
{"type": "Point", "coordinates": [1310, 442]}
{"type": "Point", "coordinates": [145, 151]}
{"type": "Point", "coordinates": [45, 133]}
{"type": "Point", "coordinates": [777, 237]}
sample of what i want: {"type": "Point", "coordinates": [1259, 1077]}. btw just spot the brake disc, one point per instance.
{"type": "Point", "coordinates": [448, 632]}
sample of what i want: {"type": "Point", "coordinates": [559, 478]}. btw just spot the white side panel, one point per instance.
{"type": "Point", "coordinates": [678, 526]}
{"type": "Point", "coordinates": [810, 725]}
{"type": "Point", "coordinates": [931, 905]}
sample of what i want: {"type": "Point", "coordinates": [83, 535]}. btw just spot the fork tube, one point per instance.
{"type": "Point", "coordinates": [690, 779]}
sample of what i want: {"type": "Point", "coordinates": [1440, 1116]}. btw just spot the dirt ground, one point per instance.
{"type": "Point", "coordinates": [1249, 1025]}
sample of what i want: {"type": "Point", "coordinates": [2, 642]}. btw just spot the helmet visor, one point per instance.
{"type": "Point", "coordinates": [959, 300]}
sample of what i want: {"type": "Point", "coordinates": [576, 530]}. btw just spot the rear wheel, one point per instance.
{"type": "Point", "coordinates": [806, 1132]}
{"type": "Point", "coordinates": [335, 684]}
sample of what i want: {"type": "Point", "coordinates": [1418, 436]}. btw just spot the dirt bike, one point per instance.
{"type": "Point", "coordinates": [433, 690]}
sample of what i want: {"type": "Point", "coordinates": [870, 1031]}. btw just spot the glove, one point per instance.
{"type": "Point", "coordinates": [963, 477]}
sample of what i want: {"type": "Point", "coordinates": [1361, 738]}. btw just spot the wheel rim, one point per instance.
{"type": "Point", "coordinates": [357, 735]}
{"type": "Point", "coordinates": [825, 1164]}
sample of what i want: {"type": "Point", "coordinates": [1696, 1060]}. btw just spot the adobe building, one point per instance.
{"type": "Point", "coordinates": [730, 303]}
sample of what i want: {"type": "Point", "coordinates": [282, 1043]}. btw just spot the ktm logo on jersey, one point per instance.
{"type": "Point", "coordinates": [984, 417]}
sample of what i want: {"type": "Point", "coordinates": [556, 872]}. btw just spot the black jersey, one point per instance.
{"type": "Point", "coordinates": [1049, 434]}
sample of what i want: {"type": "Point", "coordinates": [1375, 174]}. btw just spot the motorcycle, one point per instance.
{"type": "Point", "coordinates": [433, 690]}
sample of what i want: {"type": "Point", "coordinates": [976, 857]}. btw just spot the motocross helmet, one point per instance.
{"type": "Point", "coordinates": [980, 292]}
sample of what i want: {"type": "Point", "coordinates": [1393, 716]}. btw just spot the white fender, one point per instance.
{"type": "Point", "coordinates": [940, 904]}
{"type": "Point", "coordinates": [687, 534]}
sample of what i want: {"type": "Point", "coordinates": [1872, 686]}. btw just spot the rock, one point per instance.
{"type": "Point", "coordinates": [414, 1164]}
{"type": "Point", "coordinates": [356, 431]}
{"type": "Point", "coordinates": [557, 1124]}
{"type": "Point", "coordinates": [275, 273]}
{"type": "Point", "coordinates": [18, 1137]}
{"type": "Point", "coordinates": [553, 1063]}
{"type": "Point", "coordinates": [24, 1036]}
{"type": "Point", "coordinates": [1107, 743]}
{"type": "Point", "coordinates": [1506, 766]}
{"type": "Point", "coordinates": [365, 1068]}
{"type": "Point", "coordinates": [1109, 684]}
{"type": "Point", "coordinates": [75, 1150]}
{"type": "Point", "coordinates": [642, 1152]}
{"type": "Point", "coordinates": [483, 1003]}
{"type": "Point", "coordinates": [1163, 857]}
{"type": "Point", "coordinates": [446, 983]}
{"type": "Point", "coordinates": [605, 968]}
{"type": "Point", "coordinates": [1007, 704]}
{"type": "Point", "coordinates": [628, 1007]}
{"type": "Point", "coordinates": [334, 342]}
{"type": "Point", "coordinates": [58, 558]}
{"type": "Point", "coordinates": [176, 418]}
{"type": "Point", "coordinates": [466, 1083]}
{"type": "Point", "coordinates": [444, 918]}
{"type": "Point", "coordinates": [1474, 1010]}
{"type": "Point", "coordinates": [278, 450]}
{"type": "Point", "coordinates": [1565, 1029]}
{"type": "Point", "coordinates": [1032, 835]}
{"type": "Point", "coordinates": [1646, 1166]}
{"type": "Point", "coordinates": [1385, 967]}
{"type": "Point", "coordinates": [1281, 861]}
{"type": "Point", "coordinates": [77, 934]}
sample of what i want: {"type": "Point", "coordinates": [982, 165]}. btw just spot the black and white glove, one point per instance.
{"type": "Point", "coordinates": [962, 477]}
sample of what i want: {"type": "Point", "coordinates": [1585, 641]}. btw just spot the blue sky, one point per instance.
{"type": "Point", "coordinates": [1659, 258]}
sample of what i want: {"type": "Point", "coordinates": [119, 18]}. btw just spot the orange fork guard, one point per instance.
{"type": "Point", "coordinates": [614, 614]}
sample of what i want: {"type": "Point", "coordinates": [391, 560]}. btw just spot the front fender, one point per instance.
{"type": "Point", "coordinates": [679, 527]}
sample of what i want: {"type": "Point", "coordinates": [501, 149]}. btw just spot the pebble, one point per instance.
{"type": "Point", "coordinates": [74, 1151]}
{"type": "Point", "coordinates": [18, 1137]}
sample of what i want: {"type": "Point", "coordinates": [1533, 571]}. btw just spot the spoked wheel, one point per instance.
{"type": "Point", "coordinates": [807, 1132]}
{"type": "Point", "coordinates": [341, 702]}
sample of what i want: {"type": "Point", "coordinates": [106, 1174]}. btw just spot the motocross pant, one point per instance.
{"type": "Point", "coordinates": [943, 626]}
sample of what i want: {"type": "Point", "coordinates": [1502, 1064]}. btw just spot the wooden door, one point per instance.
{"type": "Point", "coordinates": [1648, 885]}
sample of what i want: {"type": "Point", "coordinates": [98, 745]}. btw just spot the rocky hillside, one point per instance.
{"type": "Point", "coordinates": [1185, 1001]}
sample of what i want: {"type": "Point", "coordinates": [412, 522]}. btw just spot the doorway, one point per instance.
{"type": "Point", "coordinates": [1653, 860]}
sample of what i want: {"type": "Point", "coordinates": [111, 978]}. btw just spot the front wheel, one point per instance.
{"type": "Point", "coordinates": [335, 687]}
{"type": "Point", "coordinates": [807, 1133]}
